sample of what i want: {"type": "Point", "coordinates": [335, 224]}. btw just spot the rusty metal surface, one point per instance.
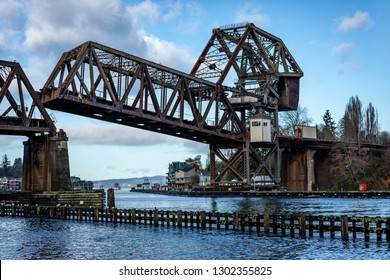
{"type": "Point", "coordinates": [256, 58]}
{"type": "Point", "coordinates": [100, 82]}
{"type": "Point", "coordinates": [19, 104]}
{"type": "Point", "coordinates": [103, 83]}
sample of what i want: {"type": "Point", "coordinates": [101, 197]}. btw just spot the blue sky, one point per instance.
{"type": "Point", "coordinates": [341, 46]}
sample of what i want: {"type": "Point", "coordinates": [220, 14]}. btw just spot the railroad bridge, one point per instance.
{"type": "Point", "coordinates": [230, 100]}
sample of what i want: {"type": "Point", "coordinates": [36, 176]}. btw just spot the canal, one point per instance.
{"type": "Point", "coordinates": [57, 239]}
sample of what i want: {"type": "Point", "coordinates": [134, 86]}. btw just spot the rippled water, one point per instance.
{"type": "Point", "coordinates": [318, 206]}
{"type": "Point", "coordinates": [57, 239]}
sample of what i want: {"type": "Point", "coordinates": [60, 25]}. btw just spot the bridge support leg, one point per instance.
{"type": "Point", "coordinates": [46, 163]}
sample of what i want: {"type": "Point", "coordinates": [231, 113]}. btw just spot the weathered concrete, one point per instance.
{"type": "Point", "coordinates": [46, 163]}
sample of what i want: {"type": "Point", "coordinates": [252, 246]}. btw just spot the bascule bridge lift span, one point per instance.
{"type": "Point", "coordinates": [99, 82]}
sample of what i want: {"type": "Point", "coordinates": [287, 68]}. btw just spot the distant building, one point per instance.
{"type": "Point", "coordinates": [172, 168]}
{"type": "Point", "coordinates": [204, 178]}
{"type": "Point", "coordinates": [186, 177]}
{"type": "Point", "coordinates": [10, 183]}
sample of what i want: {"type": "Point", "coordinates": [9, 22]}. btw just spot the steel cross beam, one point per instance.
{"type": "Point", "coordinates": [99, 82]}
{"type": "Point", "coordinates": [261, 65]}
{"type": "Point", "coordinates": [259, 61]}
{"type": "Point", "coordinates": [16, 92]}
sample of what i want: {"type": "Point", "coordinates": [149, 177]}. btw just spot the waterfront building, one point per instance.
{"type": "Point", "coordinates": [10, 183]}
{"type": "Point", "coordinates": [186, 177]}
{"type": "Point", "coordinates": [172, 168]}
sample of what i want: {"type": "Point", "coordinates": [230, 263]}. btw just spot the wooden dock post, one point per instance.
{"type": "Point", "coordinates": [110, 198]}
{"type": "Point", "coordinates": [96, 216]}
{"type": "Point", "coordinates": [235, 221]}
{"type": "Point", "coordinates": [379, 229]}
{"type": "Point", "coordinates": [155, 217]}
{"type": "Point", "coordinates": [266, 223]}
{"type": "Point", "coordinates": [311, 227]}
{"type": "Point", "coordinates": [344, 227]}
{"type": "Point", "coordinates": [226, 221]}
{"type": "Point", "coordinates": [321, 225]}
{"type": "Point", "coordinates": [302, 225]}
{"type": "Point", "coordinates": [331, 227]}
{"type": "Point", "coordinates": [292, 225]}
{"type": "Point", "coordinates": [133, 216]}
{"type": "Point", "coordinates": [179, 218]}
{"type": "Point", "coordinates": [388, 229]}
{"type": "Point", "coordinates": [203, 220]}
{"type": "Point", "coordinates": [258, 223]}
{"type": "Point", "coordinates": [275, 223]}
{"type": "Point", "coordinates": [366, 229]}
{"type": "Point", "coordinates": [283, 224]}
{"type": "Point", "coordinates": [353, 227]}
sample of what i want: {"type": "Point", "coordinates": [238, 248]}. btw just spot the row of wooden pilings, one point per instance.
{"type": "Point", "coordinates": [302, 224]}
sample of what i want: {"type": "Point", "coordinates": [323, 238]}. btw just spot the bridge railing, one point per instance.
{"type": "Point", "coordinates": [290, 224]}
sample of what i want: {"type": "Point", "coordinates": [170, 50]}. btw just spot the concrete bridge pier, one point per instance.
{"type": "Point", "coordinates": [298, 169]}
{"type": "Point", "coordinates": [46, 163]}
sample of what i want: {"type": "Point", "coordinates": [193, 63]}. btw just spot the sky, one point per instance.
{"type": "Point", "coordinates": [341, 46]}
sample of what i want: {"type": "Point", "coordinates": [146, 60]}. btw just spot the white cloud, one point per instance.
{"type": "Point", "coordinates": [342, 49]}
{"type": "Point", "coordinates": [251, 13]}
{"type": "Point", "coordinates": [145, 9]}
{"type": "Point", "coordinates": [167, 53]}
{"type": "Point", "coordinates": [360, 20]}
{"type": "Point", "coordinates": [174, 10]}
{"type": "Point", "coordinates": [10, 11]}
{"type": "Point", "coordinates": [115, 135]}
{"type": "Point", "coordinates": [56, 26]}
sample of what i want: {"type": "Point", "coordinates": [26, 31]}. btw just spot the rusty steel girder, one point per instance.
{"type": "Point", "coordinates": [259, 62]}
{"type": "Point", "coordinates": [99, 82]}
{"type": "Point", "coordinates": [19, 103]}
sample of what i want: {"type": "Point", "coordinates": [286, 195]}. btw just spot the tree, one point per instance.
{"type": "Point", "coordinates": [384, 138]}
{"type": "Point", "coordinates": [290, 119]}
{"type": "Point", "coordinates": [5, 165]}
{"type": "Point", "coordinates": [328, 129]}
{"type": "Point", "coordinates": [371, 123]}
{"type": "Point", "coordinates": [352, 122]}
{"type": "Point", "coordinates": [17, 168]}
{"type": "Point", "coordinates": [349, 162]}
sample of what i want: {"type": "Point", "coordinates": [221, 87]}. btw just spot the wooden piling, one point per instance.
{"type": "Point", "coordinates": [379, 229]}
{"type": "Point", "coordinates": [387, 229]}
{"type": "Point", "coordinates": [179, 218]}
{"type": "Point", "coordinates": [235, 221]}
{"type": "Point", "coordinates": [366, 229]}
{"type": "Point", "coordinates": [226, 221]}
{"type": "Point", "coordinates": [292, 225]}
{"type": "Point", "coordinates": [133, 216]}
{"type": "Point", "coordinates": [344, 227]}
{"type": "Point", "coordinates": [302, 225]}
{"type": "Point", "coordinates": [155, 217]}
{"type": "Point", "coordinates": [110, 198]}
{"type": "Point", "coordinates": [203, 220]}
{"type": "Point", "coordinates": [266, 223]}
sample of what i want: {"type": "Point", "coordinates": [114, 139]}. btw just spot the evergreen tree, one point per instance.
{"type": "Point", "coordinates": [5, 165]}
{"type": "Point", "coordinates": [329, 127]}
{"type": "Point", "coordinates": [17, 168]}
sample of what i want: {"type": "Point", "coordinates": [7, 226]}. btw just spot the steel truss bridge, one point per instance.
{"type": "Point", "coordinates": [242, 72]}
